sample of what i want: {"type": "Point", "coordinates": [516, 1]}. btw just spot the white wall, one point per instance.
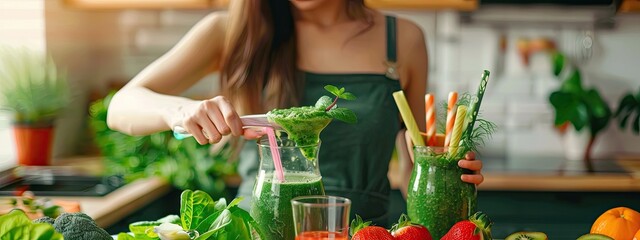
{"type": "Point", "coordinates": [516, 98]}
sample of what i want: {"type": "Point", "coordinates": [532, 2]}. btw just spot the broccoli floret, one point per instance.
{"type": "Point", "coordinates": [45, 219]}
{"type": "Point", "coordinates": [79, 226]}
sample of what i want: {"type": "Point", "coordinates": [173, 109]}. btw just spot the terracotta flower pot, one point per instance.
{"type": "Point", "coordinates": [33, 144]}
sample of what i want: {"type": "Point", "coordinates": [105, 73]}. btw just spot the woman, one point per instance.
{"type": "Point", "coordinates": [275, 54]}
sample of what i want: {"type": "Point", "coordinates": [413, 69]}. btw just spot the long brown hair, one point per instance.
{"type": "Point", "coordinates": [258, 69]}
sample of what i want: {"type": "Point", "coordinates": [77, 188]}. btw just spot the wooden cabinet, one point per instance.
{"type": "Point", "coordinates": [628, 6]}
{"type": "Point", "coordinates": [146, 4]}
{"type": "Point", "coordinates": [463, 5]}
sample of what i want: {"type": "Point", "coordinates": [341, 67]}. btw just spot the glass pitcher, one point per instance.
{"type": "Point", "coordinates": [436, 197]}
{"type": "Point", "coordinates": [271, 202]}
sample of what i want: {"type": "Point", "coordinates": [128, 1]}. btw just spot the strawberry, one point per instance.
{"type": "Point", "coordinates": [478, 227]}
{"type": "Point", "coordinates": [362, 231]}
{"type": "Point", "coordinates": [406, 230]}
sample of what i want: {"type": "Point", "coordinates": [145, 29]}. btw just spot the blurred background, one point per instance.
{"type": "Point", "coordinates": [103, 44]}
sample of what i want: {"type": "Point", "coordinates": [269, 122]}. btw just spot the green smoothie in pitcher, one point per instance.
{"type": "Point", "coordinates": [298, 159]}
{"type": "Point", "coordinates": [272, 204]}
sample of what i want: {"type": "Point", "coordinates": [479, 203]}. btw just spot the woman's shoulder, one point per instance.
{"type": "Point", "coordinates": [409, 33]}
{"type": "Point", "coordinates": [215, 21]}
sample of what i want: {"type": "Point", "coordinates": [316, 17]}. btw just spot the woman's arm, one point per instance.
{"type": "Point", "coordinates": [148, 103]}
{"type": "Point", "coordinates": [413, 64]}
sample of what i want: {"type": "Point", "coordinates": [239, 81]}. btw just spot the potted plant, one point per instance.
{"type": "Point", "coordinates": [583, 108]}
{"type": "Point", "coordinates": [35, 92]}
{"type": "Point", "coordinates": [629, 109]}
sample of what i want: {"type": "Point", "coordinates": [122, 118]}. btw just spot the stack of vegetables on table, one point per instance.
{"type": "Point", "coordinates": [200, 218]}
{"type": "Point", "coordinates": [203, 218]}
{"type": "Point", "coordinates": [69, 226]}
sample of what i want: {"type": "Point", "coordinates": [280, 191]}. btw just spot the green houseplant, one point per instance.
{"type": "Point", "coordinates": [575, 105]}
{"type": "Point", "coordinates": [35, 92]}
{"type": "Point", "coordinates": [629, 109]}
{"type": "Point", "coordinates": [184, 163]}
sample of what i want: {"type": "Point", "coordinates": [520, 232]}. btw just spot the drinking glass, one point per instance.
{"type": "Point", "coordinates": [321, 217]}
{"type": "Point", "coordinates": [437, 198]}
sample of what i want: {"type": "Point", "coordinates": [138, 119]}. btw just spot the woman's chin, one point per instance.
{"type": "Point", "coordinates": [306, 5]}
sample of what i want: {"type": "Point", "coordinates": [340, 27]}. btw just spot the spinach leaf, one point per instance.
{"type": "Point", "coordinates": [125, 236]}
{"type": "Point", "coordinates": [194, 207]}
{"type": "Point", "coordinates": [16, 225]}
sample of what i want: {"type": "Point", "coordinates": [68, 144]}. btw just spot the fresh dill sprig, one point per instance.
{"type": "Point", "coordinates": [482, 131]}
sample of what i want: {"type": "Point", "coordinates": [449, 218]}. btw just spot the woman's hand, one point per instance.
{"type": "Point", "coordinates": [469, 162]}
{"type": "Point", "coordinates": [209, 120]}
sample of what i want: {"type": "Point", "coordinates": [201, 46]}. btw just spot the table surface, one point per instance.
{"type": "Point", "coordinates": [622, 175]}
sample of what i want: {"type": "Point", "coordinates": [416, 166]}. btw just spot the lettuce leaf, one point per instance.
{"type": "Point", "coordinates": [16, 225]}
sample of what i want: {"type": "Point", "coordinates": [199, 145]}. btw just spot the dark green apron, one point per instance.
{"type": "Point", "coordinates": [354, 158]}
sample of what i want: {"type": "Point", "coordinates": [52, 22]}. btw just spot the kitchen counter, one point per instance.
{"type": "Point", "coordinates": [111, 208]}
{"type": "Point", "coordinates": [548, 175]}
{"type": "Point", "coordinates": [118, 204]}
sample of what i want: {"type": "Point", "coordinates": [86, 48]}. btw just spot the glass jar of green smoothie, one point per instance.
{"type": "Point", "coordinates": [437, 198]}
{"type": "Point", "coordinates": [271, 202]}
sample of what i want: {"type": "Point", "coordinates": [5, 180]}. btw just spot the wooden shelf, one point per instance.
{"type": "Point", "coordinates": [463, 5]}
{"type": "Point", "coordinates": [630, 6]}
{"type": "Point", "coordinates": [146, 4]}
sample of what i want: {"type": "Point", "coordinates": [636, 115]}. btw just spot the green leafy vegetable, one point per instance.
{"type": "Point", "coordinates": [212, 220]}
{"type": "Point", "coordinates": [16, 225]}
{"type": "Point", "coordinates": [79, 226]}
{"type": "Point", "coordinates": [144, 229]}
{"type": "Point", "coordinates": [192, 206]}
{"type": "Point", "coordinates": [125, 236]}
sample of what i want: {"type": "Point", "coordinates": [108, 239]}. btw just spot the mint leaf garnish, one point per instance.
{"type": "Point", "coordinates": [348, 96]}
{"type": "Point", "coordinates": [339, 93]}
{"type": "Point", "coordinates": [343, 114]}
{"type": "Point", "coordinates": [323, 102]}
{"type": "Point", "coordinates": [332, 89]}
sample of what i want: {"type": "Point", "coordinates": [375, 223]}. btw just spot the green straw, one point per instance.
{"type": "Point", "coordinates": [476, 104]}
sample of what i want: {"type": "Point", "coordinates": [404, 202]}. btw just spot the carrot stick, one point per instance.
{"type": "Point", "coordinates": [451, 116]}
{"type": "Point", "coordinates": [430, 111]}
